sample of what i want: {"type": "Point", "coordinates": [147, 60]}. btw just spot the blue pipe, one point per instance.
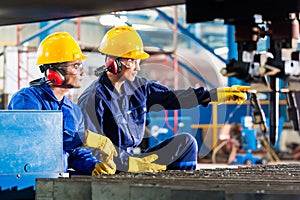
{"type": "Point", "coordinates": [232, 47]}
{"type": "Point", "coordinates": [232, 53]}
{"type": "Point", "coordinates": [44, 35]}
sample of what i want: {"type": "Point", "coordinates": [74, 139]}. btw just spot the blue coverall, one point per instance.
{"type": "Point", "coordinates": [41, 97]}
{"type": "Point", "coordinates": [122, 117]}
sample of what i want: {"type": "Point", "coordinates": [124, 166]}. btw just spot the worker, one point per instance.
{"type": "Point", "coordinates": [60, 58]}
{"type": "Point", "coordinates": [116, 104]}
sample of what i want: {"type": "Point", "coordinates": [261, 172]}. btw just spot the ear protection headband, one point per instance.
{"type": "Point", "coordinates": [53, 75]}
{"type": "Point", "coordinates": [113, 65]}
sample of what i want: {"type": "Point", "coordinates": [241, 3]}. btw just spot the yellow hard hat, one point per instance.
{"type": "Point", "coordinates": [58, 47]}
{"type": "Point", "coordinates": [123, 41]}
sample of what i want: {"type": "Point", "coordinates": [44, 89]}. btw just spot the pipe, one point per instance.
{"type": "Point", "coordinates": [175, 40]}
{"type": "Point", "coordinates": [19, 28]}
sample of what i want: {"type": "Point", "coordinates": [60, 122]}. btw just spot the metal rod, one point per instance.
{"type": "Point", "coordinates": [274, 109]}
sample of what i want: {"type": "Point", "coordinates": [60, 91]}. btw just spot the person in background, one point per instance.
{"type": "Point", "coordinates": [116, 104]}
{"type": "Point", "coordinates": [60, 58]}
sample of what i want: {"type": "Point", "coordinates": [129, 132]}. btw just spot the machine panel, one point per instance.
{"type": "Point", "coordinates": [31, 147]}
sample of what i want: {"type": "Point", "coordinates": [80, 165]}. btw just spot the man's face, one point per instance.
{"type": "Point", "coordinates": [73, 72]}
{"type": "Point", "coordinates": [130, 68]}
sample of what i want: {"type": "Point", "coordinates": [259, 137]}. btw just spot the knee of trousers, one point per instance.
{"type": "Point", "coordinates": [189, 141]}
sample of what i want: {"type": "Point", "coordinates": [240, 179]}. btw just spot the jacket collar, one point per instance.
{"type": "Point", "coordinates": [128, 87]}
{"type": "Point", "coordinates": [47, 89]}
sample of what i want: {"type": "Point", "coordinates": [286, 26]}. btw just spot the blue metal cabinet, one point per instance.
{"type": "Point", "coordinates": [31, 147]}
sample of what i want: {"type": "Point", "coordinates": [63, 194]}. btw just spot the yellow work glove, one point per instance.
{"type": "Point", "coordinates": [102, 168]}
{"type": "Point", "coordinates": [145, 164]}
{"type": "Point", "coordinates": [234, 93]}
{"type": "Point", "coordinates": [105, 146]}
{"type": "Point", "coordinates": [100, 142]}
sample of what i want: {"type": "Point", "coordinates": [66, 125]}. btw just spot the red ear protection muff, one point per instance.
{"type": "Point", "coordinates": [113, 66]}
{"type": "Point", "coordinates": [55, 77]}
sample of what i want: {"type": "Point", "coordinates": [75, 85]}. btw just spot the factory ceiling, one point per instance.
{"type": "Point", "coordinates": [26, 11]}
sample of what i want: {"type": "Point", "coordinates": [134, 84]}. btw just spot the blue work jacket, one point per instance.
{"type": "Point", "coordinates": [41, 97]}
{"type": "Point", "coordinates": [122, 117]}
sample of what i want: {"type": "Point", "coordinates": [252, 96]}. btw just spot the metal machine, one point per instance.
{"type": "Point", "coordinates": [31, 147]}
{"type": "Point", "coordinates": [278, 22]}
{"type": "Point", "coordinates": [253, 139]}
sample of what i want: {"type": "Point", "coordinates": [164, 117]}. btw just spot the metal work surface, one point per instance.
{"type": "Point", "coordinates": [256, 182]}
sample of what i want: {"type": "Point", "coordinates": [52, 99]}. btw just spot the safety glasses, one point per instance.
{"type": "Point", "coordinates": [129, 62]}
{"type": "Point", "coordinates": [72, 68]}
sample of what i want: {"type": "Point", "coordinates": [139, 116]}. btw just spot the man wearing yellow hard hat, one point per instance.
{"type": "Point", "coordinates": [117, 102]}
{"type": "Point", "coordinates": [60, 58]}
